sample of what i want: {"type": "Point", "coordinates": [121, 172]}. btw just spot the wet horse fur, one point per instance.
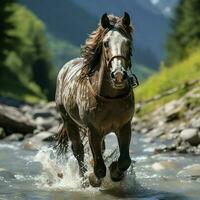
{"type": "Point", "coordinates": [86, 99]}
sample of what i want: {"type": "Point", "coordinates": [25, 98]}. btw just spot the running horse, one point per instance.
{"type": "Point", "coordinates": [94, 92]}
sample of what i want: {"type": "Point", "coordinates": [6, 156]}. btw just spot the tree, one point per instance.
{"type": "Point", "coordinates": [7, 40]}
{"type": "Point", "coordinates": [26, 68]}
{"type": "Point", "coordinates": [185, 35]}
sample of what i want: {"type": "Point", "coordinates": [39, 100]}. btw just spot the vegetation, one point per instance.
{"type": "Point", "coordinates": [62, 50]}
{"type": "Point", "coordinates": [26, 70]}
{"type": "Point", "coordinates": [183, 50]}
{"type": "Point", "coordinates": [185, 36]}
{"type": "Point", "coordinates": [168, 78]}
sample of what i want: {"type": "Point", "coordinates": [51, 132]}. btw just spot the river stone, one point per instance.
{"type": "Point", "coordinates": [15, 137]}
{"type": "Point", "coordinates": [191, 171]}
{"type": "Point", "coordinates": [6, 174]}
{"type": "Point", "coordinates": [157, 132]}
{"type": "Point", "coordinates": [29, 144]}
{"type": "Point", "coordinates": [164, 165]}
{"type": "Point", "coordinates": [190, 135]}
{"type": "Point", "coordinates": [37, 140]}
{"type": "Point", "coordinates": [42, 113]}
{"type": "Point", "coordinates": [195, 123]}
{"type": "Point", "coordinates": [46, 123]}
{"type": "Point", "coordinates": [2, 133]}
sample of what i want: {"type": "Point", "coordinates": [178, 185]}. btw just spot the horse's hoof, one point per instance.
{"type": "Point", "coordinates": [115, 174]}
{"type": "Point", "coordinates": [94, 181]}
{"type": "Point", "coordinates": [85, 183]}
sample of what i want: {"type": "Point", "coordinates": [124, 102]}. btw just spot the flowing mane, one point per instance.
{"type": "Point", "coordinates": [91, 50]}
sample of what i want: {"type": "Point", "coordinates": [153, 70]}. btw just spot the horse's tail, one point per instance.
{"type": "Point", "coordinates": [62, 141]}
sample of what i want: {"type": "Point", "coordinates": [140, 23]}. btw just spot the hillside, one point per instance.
{"type": "Point", "coordinates": [151, 26]}
{"type": "Point", "coordinates": [83, 16]}
{"type": "Point", "coordinates": [169, 78]}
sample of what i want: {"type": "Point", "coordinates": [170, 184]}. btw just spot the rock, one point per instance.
{"type": "Point", "coordinates": [54, 129]}
{"type": "Point", "coordinates": [42, 113]}
{"type": "Point", "coordinates": [12, 120]}
{"type": "Point", "coordinates": [195, 123]}
{"type": "Point", "coordinates": [191, 171]}
{"type": "Point", "coordinates": [173, 115]}
{"type": "Point", "coordinates": [35, 142]}
{"type": "Point", "coordinates": [26, 109]}
{"type": "Point", "coordinates": [51, 105]}
{"type": "Point", "coordinates": [190, 135]}
{"type": "Point", "coordinates": [164, 165]}
{"type": "Point", "coordinates": [29, 144]}
{"type": "Point", "coordinates": [2, 133]}
{"type": "Point", "coordinates": [46, 123]}
{"type": "Point", "coordinates": [156, 132]}
{"type": "Point", "coordinates": [6, 174]}
{"type": "Point", "coordinates": [43, 136]}
{"type": "Point", "coordinates": [15, 137]}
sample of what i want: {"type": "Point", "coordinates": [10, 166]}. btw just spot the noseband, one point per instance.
{"type": "Point", "coordinates": [116, 56]}
{"type": "Point", "coordinates": [133, 80]}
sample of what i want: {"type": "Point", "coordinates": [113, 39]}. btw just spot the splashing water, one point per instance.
{"type": "Point", "coordinates": [63, 173]}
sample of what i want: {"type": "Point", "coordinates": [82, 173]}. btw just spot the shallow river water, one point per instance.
{"type": "Point", "coordinates": [35, 175]}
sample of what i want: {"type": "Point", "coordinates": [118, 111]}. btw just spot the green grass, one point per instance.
{"type": "Point", "coordinates": [168, 78]}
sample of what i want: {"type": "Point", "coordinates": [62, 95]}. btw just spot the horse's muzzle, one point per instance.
{"type": "Point", "coordinates": [119, 78]}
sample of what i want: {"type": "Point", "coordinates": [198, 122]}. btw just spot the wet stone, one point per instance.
{"type": "Point", "coordinates": [15, 137]}
{"type": "Point", "coordinates": [191, 136]}
{"type": "Point", "coordinates": [191, 172]}
{"type": "Point", "coordinates": [164, 165]}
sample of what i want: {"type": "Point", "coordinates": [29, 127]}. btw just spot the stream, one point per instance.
{"type": "Point", "coordinates": [33, 175]}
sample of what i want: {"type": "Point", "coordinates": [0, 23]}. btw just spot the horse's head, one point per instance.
{"type": "Point", "coordinates": [116, 48]}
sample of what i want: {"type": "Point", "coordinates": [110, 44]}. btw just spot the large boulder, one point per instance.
{"type": "Point", "coordinates": [191, 136]}
{"type": "Point", "coordinates": [12, 120]}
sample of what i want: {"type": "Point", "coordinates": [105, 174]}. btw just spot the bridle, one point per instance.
{"type": "Point", "coordinates": [113, 57]}
{"type": "Point", "coordinates": [132, 78]}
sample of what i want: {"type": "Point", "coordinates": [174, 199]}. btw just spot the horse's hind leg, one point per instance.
{"type": "Point", "coordinates": [77, 146]}
{"type": "Point", "coordinates": [118, 168]}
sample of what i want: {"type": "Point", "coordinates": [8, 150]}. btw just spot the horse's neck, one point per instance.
{"type": "Point", "coordinates": [101, 83]}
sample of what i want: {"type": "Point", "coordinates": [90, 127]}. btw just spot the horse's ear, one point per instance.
{"type": "Point", "coordinates": [126, 19]}
{"type": "Point", "coordinates": [105, 23]}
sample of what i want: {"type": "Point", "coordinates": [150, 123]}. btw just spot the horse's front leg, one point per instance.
{"type": "Point", "coordinates": [95, 140]}
{"type": "Point", "coordinates": [117, 168]}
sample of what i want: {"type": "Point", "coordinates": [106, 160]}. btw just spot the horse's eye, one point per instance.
{"type": "Point", "coordinates": [106, 44]}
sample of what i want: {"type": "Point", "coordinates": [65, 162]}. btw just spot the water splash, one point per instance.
{"type": "Point", "coordinates": [63, 174]}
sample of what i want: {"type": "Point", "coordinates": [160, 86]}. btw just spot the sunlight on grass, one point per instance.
{"type": "Point", "coordinates": [168, 78]}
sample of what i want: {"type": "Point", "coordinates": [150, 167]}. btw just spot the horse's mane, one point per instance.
{"type": "Point", "coordinates": [91, 50]}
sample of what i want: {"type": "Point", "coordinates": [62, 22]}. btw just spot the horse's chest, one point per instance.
{"type": "Point", "coordinates": [110, 115]}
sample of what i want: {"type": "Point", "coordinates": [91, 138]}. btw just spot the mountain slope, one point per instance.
{"type": "Point", "coordinates": [74, 20]}
{"type": "Point", "coordinates": [151, 27]}
{"type": "Point", "coordinates": [63, 19]}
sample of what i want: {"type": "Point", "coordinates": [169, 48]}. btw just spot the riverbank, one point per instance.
{"type": "Point", "coordinates": [175, 124]}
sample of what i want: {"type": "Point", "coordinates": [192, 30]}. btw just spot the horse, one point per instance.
{"type": "Point", "coordinates": [94, 93]}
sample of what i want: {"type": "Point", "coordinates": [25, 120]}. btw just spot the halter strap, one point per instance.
{"type": "Point", "coordinates": [116, 56]}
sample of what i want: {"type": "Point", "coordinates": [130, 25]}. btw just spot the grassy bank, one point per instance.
{"type": "Point", "coordinates": [168, 78]}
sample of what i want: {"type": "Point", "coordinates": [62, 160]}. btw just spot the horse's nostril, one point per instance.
{"type": "Point", "coordinates": [112, 75]}
{"type": "Point", "coordinates": [125, 75]}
